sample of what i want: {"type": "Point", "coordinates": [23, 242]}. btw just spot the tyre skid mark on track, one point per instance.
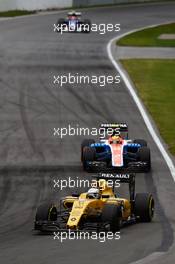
{"type": "Point", "coordinates": [41, 190]}
{"type": "Point", "coordinates": [85, 102]}
{"type": "Point", "coordinates": [6, 188]}
{"type": "Point", "coordinates": [27, 128]}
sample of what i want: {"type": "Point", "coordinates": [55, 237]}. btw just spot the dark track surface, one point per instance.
{"type": "Point", "coordinates": [30, 54]}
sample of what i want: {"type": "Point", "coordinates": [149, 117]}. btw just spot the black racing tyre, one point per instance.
{"type": "Point", "coordinates": [88, 155]}
{"type": "Point", "coordinates": [142, 142]}
{"type": "Point", "coordinates": [144, 155]}
{"type": "Point", "coordinates": [112, 215]}
{"type": "Point", "coordinates": [86, 143]}
{"type": "Point", "coordinates": [46, 212]}
{"type": "Point", "coordinates": [144, 207]}
{"type": "Point", "coordinates": [60, 22]}
{"type": "Point", "coordinates": [88, 23]}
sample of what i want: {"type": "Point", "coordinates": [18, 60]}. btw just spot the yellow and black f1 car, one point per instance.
{"type": "Point", "coordinates": [98, 209]}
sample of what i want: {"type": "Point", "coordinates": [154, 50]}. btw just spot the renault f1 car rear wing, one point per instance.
{"type": "Point", "coordinates": [123, 178]}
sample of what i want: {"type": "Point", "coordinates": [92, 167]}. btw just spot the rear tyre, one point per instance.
{"type": "Point", "coordinates": [87, 24]}
{"type": "Point", "coordinates": [145, 156]}
{"type": "Point", "coordinates": [60, 22]}
{"type": "Point", "coordinates": [88, 155]}
{"type": "Point", "coordinates": [142, 142]}
{"type": "Point", "coordinates": [86, 143]}
{"type": "Point", "coordinates": [144, 207]}
{"type": "Point", "coordinates": [111, 214]}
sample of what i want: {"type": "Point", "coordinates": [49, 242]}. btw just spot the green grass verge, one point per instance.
{"type": "Point", "coordinates": [15, 13]}
{"type": "Point", "coordinates": [149, 37]}
{"type": "Point", "coordinates": [155, 82]}
{"type": "Point", "coordinates": [81, 5]}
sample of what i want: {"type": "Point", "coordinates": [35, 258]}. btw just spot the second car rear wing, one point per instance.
{"type": "Point", "coordinates": [120, 128]}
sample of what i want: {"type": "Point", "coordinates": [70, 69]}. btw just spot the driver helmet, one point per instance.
{"type": "Point", "coordinates": [93, 193]}
{"type": "Point", "coordinates": [72, 14]}
{"type": "Point", "coordinates": [115, 140]}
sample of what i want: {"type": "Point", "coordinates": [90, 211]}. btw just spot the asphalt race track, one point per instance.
{"type": "Point", "coordinates": [31, 157]}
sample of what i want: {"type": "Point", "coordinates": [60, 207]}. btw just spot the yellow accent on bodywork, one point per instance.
{"type": "Point", "coordinates": [84, 206]}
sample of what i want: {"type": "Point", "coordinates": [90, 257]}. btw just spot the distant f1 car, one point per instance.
{"type": "Point", "coordinates": [116, 151]}
{"type": "Point", "coordinates": [74, 23]}
{"type": "Point", "coordinates": [98, 209]}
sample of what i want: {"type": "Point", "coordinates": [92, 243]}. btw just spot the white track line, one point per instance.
{"type": "Point", "coordinates": [138, 102]}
